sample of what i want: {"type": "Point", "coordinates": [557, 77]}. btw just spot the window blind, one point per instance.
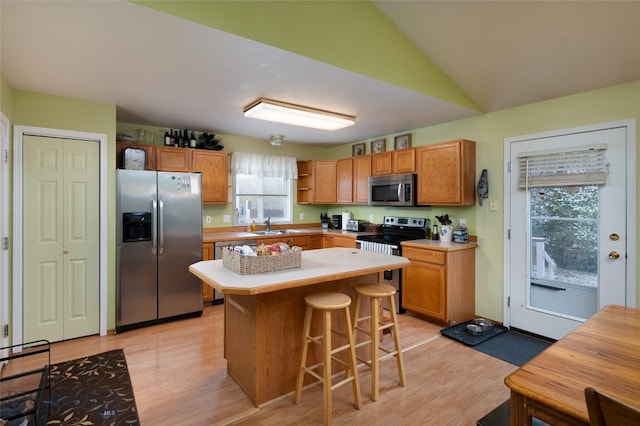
{"type": "Point", "coordinates": [574, 166]}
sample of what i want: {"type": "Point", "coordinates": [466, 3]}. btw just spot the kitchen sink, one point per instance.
{"type": "Point", "coordinates": [276, 232]}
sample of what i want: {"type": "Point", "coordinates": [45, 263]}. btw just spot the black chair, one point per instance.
{"type": "Point", "coordinates": [606, 411]}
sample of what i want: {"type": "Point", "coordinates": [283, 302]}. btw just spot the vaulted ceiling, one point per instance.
{"type": "Point", "coordinates": [395, 65]}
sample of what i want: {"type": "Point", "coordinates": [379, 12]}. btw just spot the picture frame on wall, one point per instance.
{"type": "Point", "coordinates": [359, 149]}
{"type": "Point", "coordinates": [402, 141]}
{"type": "Point", "coordinates": [379, 145]}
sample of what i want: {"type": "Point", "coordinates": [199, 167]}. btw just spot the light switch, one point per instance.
{"type": "Point", "coordinates": [207, 219]}
{"type": "Point", "coordinates": [226, 218]}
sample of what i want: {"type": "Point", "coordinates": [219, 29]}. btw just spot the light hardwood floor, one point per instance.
{"type": "Point", "coordinates": [179, 378]}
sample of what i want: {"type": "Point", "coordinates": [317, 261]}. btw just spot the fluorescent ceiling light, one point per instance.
{"type": "Point", "coordinates": [282, 112]}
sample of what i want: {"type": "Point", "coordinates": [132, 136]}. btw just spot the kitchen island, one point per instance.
{"type": "Point", "coordinates": [264, 313]}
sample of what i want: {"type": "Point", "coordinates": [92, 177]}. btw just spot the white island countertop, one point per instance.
{"type": "Point", "coordinates": [317, 266]}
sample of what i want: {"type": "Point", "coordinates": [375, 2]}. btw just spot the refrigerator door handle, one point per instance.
{"type": "Point", "coordinates": [161, 227]}
{"type": "Point", "coordinates": [154, 228]}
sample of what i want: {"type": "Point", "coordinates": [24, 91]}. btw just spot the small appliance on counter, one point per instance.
{"type": "Point", "coordinates": [324, 220]}
{"type": "Point", "coordinates": [356, 225]}
{"type": "Point", "coordinates": [336, 221]}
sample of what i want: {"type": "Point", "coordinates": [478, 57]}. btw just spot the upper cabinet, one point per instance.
{"type": "Point", "coordinates": [344, 171]}
{"type": "Point", "coordinates": [170, 159]}
{"type": "Point", "coordinates": [381, 164]}
{"type": "Point", "coordinates": [398, 161]}
{"type": "Point", "coordinates": [324, 181]}
{"type": "Point", "coordinates": [214, 166]}
{"type": "Point", "coordinates": [149, 149]}
{"type": "Point", "coordinates": [403, 161]}
{"type": "Point", "coordinates": [446, 173]}
{"type": "Point", "coordinates": [305, 182]}
{"type": "Point", "coordinates": [361, 175]}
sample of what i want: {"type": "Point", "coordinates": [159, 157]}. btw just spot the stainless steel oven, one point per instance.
{"type": "Point", "coordinates": [394, 230]}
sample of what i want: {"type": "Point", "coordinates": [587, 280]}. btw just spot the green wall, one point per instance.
{"type": "Point", "coordinates": [57, 112]}
{"type": "Point", "coordinates": [488, 130]}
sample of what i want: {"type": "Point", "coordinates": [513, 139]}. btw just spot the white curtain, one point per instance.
{"type": "Point", "coordinates": [264, 165]}
{"type": "Point", "coordinates": [563, 167]}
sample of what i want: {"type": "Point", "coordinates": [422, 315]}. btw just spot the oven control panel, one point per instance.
{"type": "Point", "coordinates": [411, 222]}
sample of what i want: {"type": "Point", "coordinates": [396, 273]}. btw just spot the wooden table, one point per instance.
{"type": "Point", "coordinates": [603, 353]}
{"type": "Point", "coordinates": [264, 313]}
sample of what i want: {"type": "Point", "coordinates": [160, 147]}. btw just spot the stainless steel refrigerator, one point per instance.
{"type": "Point", "coordinates": [159, 234]}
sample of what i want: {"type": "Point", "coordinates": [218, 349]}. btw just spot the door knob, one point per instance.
{"type": "Point", "coordinates": [614, 255]}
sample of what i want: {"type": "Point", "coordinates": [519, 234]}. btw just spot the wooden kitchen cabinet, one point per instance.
{"type": "Point", "coordinates": [301, 241]}
{"type": "Point", "coordinates": [440, 282]}
{"type": "Point", "coordinates": [305, 182]}
{"type": "Point", "coordinates": [214, 166]}
{"type": "Point", "coordinates": [403, 161]}
{"type": "Point", "coordinates": [170, 159]}
{"type": "Point", "coordinates": [447, 173]}
{"type": "Point", "coordinates": [331, 241]}
{"type": "Point", "coordinates": [207, 290]}
{"type": "Point", "coordinates": [149, 149]}
{"type": "Point", "coordinates": [324, 181]}
{"type": "Point", "coordinates": [381, 164]}
{"type": "Point", "coordinates": [315, 242]}
{"type": "Point", "coordinates": [344, 175]}
{"type": "Point", "coordinates": [393, 162]}
{"type": "Point", "coordinates": [361, 175]}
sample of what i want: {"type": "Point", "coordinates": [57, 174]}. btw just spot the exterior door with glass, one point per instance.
{"type": "Point", "coordinates": [566, 255]}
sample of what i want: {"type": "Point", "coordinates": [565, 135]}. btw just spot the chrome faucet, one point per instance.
{"type": "Point", "coordinates": [268, 223]}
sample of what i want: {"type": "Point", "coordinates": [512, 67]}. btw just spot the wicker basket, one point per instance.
{"type": "Point", "coordinates": [246, 265]}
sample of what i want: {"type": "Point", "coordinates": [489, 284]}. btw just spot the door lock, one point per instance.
{"type": "Point", "coordinates": [614, 255]}
{"type": "Point", "coordinates": [614, 237]}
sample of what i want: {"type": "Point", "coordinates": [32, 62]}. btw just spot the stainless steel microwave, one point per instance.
{"type": "Point", "coordinates": [392, 190]}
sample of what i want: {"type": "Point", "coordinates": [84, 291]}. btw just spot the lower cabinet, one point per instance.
{"type": "Point", "coordinates": [440, 282]}
{"type": "Point", "coordinates": [207, 290]}
{"type": "Point", "coordinates": [330, 241]}
{"type": "Point", "coordinates": [301, 241]}
{"type": "Point", "coordinates": [315, 242]}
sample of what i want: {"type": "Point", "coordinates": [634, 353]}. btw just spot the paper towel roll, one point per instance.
{"type": "Point", "coordinates": [345, 217]}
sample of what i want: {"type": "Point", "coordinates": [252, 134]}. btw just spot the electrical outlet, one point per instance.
{"type": "Point", "coordinates": [226, 218]}
{"type": "Point", "coordinates": [371, 218]}
{"type": "Point", "coordinates": [463, 221]}
{"type": "Point", "coordinates": [493, 206]}
{"type": "Point", "coordinates": [207, 219]}
{"type": "Point", "coordinates": [301, 216]}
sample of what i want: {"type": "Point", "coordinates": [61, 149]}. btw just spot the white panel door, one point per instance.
{"type": "Point", "coordinates": [554, 291]}
{"type": "Point", "coordinates": [61, 238]}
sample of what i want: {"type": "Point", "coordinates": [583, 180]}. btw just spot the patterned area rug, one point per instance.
{"type": "Point", "coordinates": [95, 390]}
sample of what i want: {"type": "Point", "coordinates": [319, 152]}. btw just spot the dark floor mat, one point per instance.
{"type": "Point", "coordinates": [93, 390]}
{"type": "Point", "coordinates": [459, 332]}
{"type": "Point", "coordinates": [513, 347]}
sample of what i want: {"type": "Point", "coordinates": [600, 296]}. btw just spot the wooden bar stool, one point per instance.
{"type": "Point", "coordinates": [377, 293]}
{"type": "Point", "coordinates": [326, 303]}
